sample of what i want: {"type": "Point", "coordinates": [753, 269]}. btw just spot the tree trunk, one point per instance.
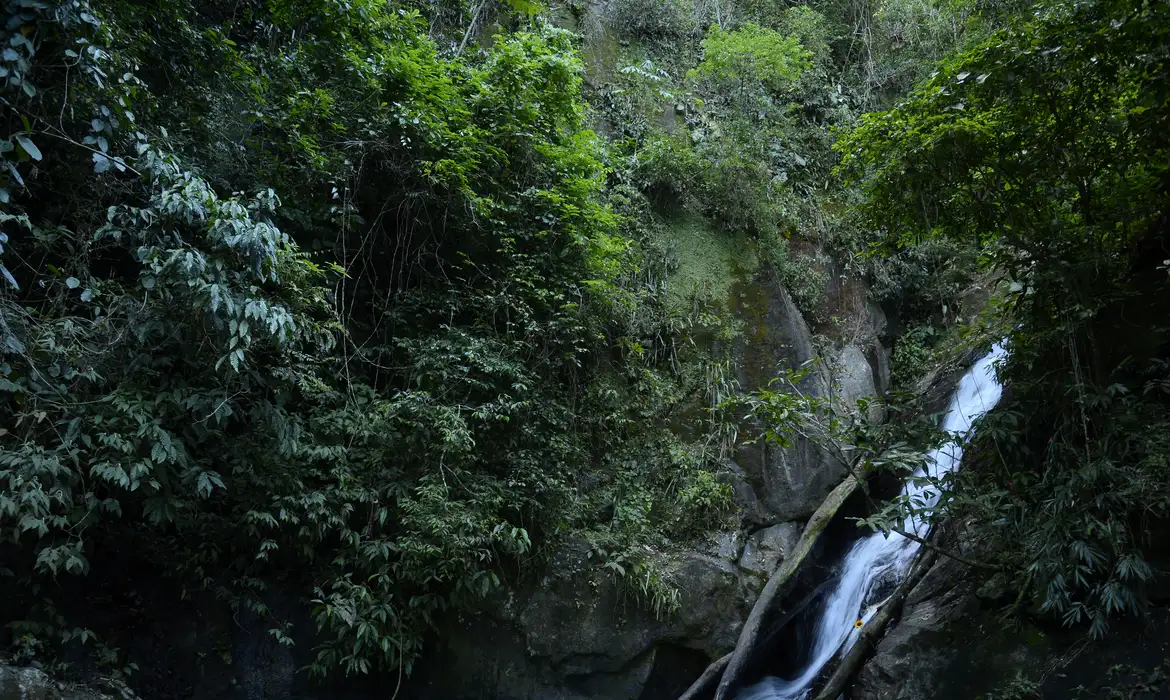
{"type": "Point", "coordinates": [750, 633]}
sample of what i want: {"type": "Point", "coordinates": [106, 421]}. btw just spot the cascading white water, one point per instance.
{"type": "Point", "coordinates": [876, 561]}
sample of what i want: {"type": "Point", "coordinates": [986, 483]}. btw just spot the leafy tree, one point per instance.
{"type": "Point", "coordinates": [314, 300]}
{"type": "Point", "coordinates": [749, 54]}
{"type": "Point", "coordinates": [1047, 145]}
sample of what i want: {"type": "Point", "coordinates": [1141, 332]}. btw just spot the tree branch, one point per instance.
{"type": "Point", "coordinates": [946, 553]}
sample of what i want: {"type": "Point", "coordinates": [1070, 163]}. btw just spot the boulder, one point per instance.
{"type": "Point", "coordinates": [793, 481]}
{"type": "Point", "coordinates": [744, 496]}
{"type": "Point", "coordinates": [902, 666]}
{"type": "Point", "coordinates": [581, 633]}
{"type": "Point", "coordinates": [853, 380]}
{"type": "Point", "coordinates": [766, 548]}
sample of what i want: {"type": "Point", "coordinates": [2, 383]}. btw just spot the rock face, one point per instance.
{"type": "Point", "coordinates": [578, 634]}
{"type": "Point", "coordinates": [26, 683]}
{"type": "Point", "coordinates": [951, 644]}
{"type": "Point", "coordinates": [901, 667]}
{"type": "Point", "coordinates": [767, 548]}
{"type": "Point", "coordinates": [854, 380]}
{"type": "Point", "coordinates": [792, 482]}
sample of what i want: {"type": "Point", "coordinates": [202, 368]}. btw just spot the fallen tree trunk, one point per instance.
{"type": "Point", "coordinates": [719, 664]}
{"type": "Point", "coordinates": [750, 633]}
{"type": "Point", "coordinates": [873, 630]}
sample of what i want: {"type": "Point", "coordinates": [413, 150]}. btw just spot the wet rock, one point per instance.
{"type": "Point", "coordinates": [901, 668]}
{"type": "Point", "coordinates": [951, 643]}
{"type": "Point", "coordinates": [31, 683]}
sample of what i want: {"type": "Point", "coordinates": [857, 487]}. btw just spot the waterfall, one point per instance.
{"type": "Point", "coordinates": [877, 562]}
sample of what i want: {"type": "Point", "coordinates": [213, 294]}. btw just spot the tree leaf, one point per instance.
{"type": "Point", "coordinates": [72, 282]}
{"type": "Point", "coordinates": [29, 147]}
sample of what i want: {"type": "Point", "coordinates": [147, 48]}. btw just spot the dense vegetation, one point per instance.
{"type": "Point", "coordinates": [376, 301]}
{"type": "Point", "coordinates": [1046, 144]}
{"type": "Point", "coordinates": [317, 297]}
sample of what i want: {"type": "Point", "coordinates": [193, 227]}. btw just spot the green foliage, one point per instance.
{"type": "Point", "coordinates": [722, 175]}
{"type": "Point", "coordinates": [1047, 144]}
{"type": "Point", "coordinates": [1019, 688]}
{"type": "Point", "coordinates": [913, 353]}
{"type": "Point", "coordinates": [749, 54]}
{"type": "Point", "coordinates": [923, 281]}
{"type": "Point", "coordinates": [1123, 680]}
{"type": "Point", "coordinates": [913, 35]}
{"type": "Point", "coordinates": [707, 497]}
{"type": "Point", "coordinates": [315, 301]}
{"type": "Point", "coordinates": [652, 19]}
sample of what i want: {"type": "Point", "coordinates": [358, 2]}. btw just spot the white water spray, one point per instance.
{"type": "Point", "coordinates": [878, 562]}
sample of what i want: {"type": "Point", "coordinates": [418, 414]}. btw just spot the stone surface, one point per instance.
{"type": "Point", "coordinates": [766, 548]}
{"type": "Point", "coordinates": [853, 380]}
{"type": "Point", "coordinates": [30, 683]}
{"type": "Point", "coordinates": [110, 690]}
{"type": "Point", "coordinates": [579, 634]}
{"type": "Point", "coordinates": [726, 545]}
{"type": "Point", "coordinates": [790, 483]}
{"type": "Point", "coordinates": [900, 667]}
{"type": "Point", "coordinates": [950, 644]}
{"type": "Point", "coordinates": [26, 683]}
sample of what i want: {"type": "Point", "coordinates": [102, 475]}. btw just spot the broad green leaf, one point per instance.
{"type": "Point", "coordinates": [28, 146]}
